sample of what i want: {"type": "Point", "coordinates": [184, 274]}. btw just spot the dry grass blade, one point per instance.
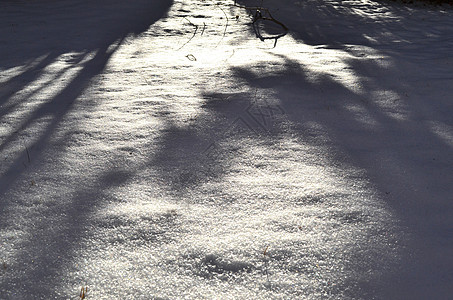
{"type": "Point", "coordinates": [226, 25]}
{"type": "Point", "coordinates": [194, 33]}
{"type": "Point", "coordinates": [83, 292]}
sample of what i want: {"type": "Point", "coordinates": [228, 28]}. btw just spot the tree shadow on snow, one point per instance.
{"type": "Point", "coordinates": [82, 35]}
{"type": "Point", "coordinates": [206, 149]}
{"type": "Point", "coordinates": [410, 163]}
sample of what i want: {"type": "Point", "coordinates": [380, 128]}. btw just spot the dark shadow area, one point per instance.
{"type": "Point", "coordinates": [189, 156]}
{"type": "Point", "coordinates": [55, 238]}
{"type": "Point", "coordinates": [410, 165]}
{"type": "Point", "coordinates": [377, 24]}
{"type": "Point", "coordinates": [206, 149]}
{"type": "Point", "coordinates": [89, 31]}
{"type": "Point", "coordinates": [84, 35]}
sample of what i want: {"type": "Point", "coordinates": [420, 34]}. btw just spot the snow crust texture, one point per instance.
{"type": "Point", "coordinates": [159, 150]}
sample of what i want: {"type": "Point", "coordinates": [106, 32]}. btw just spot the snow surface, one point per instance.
{"type": "Point", "coordinates": [157, 150]}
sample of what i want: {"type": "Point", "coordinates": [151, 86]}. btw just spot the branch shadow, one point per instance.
{"type": "Point", "coordinates": [206, 148]}
{"type": "Point", "coordinates": [405, 158]}
{"type": "Point", "coordinates": [76, 36]}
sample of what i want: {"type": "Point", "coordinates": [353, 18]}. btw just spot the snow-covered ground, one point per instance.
{"type": "Point", "coordinates": [158, 150]}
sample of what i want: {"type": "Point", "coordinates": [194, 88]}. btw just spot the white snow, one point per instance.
{"type": "Point", "coordinates": [157, 150]}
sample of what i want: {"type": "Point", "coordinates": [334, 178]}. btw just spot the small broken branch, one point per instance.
{"type": "Point", "coordinates": [263, 14]}
{"type": "Point", "coordinates": [194, 33]}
